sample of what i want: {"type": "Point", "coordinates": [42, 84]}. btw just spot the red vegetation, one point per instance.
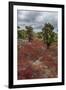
{"type": "Point", "coordinates": [36, 61]}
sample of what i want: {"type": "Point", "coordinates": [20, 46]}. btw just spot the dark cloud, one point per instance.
{"type": "Point", "coordinates": [28, 16]}
{"type": "Point", "coordinates": [37, 18]}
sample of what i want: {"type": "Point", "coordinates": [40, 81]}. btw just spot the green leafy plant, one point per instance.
{"type": "Point", "coordinates": [22, 34]}
{"type": "Point", "coordinates": [39, 35]}
{"type": "Point", "coordinates": [48, 35]}
{"type": "Point", "coordinates": [29, 33]}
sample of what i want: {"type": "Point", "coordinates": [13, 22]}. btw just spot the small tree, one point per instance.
{"type": "Point", "coordinates": [22, 34]}
{"type": "Point", "coordinates": [48, 34]}
{"type": "Point", "coordinates": [29, 33]}
{"type": "Point", "coordinates": [19, 34]}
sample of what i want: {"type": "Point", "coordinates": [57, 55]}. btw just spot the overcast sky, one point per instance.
{"type": "Point", "coordinates": [37, 19]}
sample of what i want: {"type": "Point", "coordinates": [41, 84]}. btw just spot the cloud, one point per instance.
{"type": "Point", "coordinates": [37, 19]}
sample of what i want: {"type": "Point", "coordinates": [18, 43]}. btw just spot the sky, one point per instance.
{"type": "Point", "coordinates": [37, 19]}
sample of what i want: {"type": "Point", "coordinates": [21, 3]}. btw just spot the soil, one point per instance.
{"type": "Point", "coordinates": [35, 61]}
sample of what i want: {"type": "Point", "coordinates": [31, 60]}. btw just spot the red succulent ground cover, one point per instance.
{"type": "Point", "coordinates": [35, 61]}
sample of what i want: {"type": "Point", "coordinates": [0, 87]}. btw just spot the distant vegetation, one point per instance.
{"type": "Point", "coordinates": [22, 34]}
{"type": "Point", "coordinates": [47, 34]}
{"type": "Point", "coordinates": [39, 35]}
